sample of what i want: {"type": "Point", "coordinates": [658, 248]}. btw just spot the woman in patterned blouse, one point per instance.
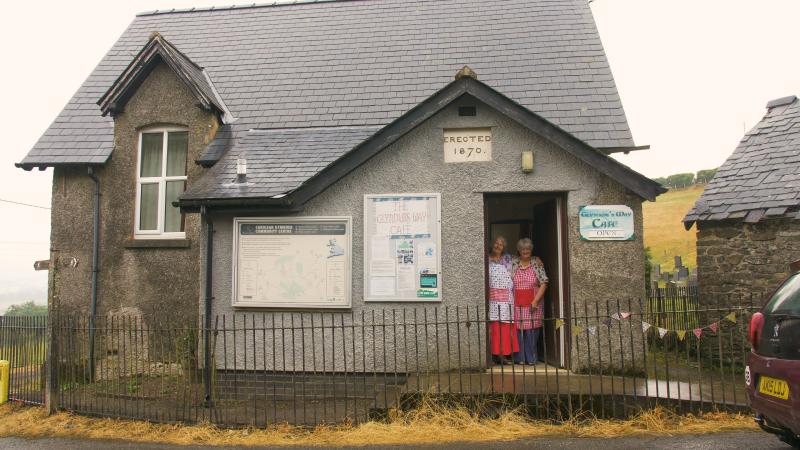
{"type": "Point", "coordinates": [502, 332]}
{"type": "Point", "coordinates": [530, 283]}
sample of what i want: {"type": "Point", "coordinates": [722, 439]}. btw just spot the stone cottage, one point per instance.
{"type": "Point", "coordinates": [321, 156]}
{"type": "Point", "coordinates": [748, 217]}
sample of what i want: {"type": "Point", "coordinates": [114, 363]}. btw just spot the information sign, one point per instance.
{"type": "Point", "coordinates": [299, 262]}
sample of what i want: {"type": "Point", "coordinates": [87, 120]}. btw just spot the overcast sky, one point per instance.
{"type": "Point", "coordinates": [692, 76]}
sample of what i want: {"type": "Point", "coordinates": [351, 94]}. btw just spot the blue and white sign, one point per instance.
{"type": "Point", "coordinates": [606, 223]}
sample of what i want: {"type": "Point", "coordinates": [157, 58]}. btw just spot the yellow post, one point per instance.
{"type": "Point", "coordinates": [3, 382]}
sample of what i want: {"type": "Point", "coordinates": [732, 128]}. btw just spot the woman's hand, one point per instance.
{"type": "Point", "coordinates": [539, 295]}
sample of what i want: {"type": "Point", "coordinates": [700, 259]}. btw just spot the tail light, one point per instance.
{"type": "Point", "coordinates": [756, 325]}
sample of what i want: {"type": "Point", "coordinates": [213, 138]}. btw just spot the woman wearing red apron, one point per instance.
{"type": "Point", "coordinates": [530, 283]}
{"type": "Point", "coordinates": [502, 332]}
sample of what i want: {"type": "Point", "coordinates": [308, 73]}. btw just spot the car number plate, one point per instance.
{"type": "Point", "coordinates": [774, 387]}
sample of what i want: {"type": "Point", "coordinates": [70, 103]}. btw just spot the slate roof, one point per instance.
{"type": "Point", "coordinates": [363, 63]}
{"type": "Point", "coordinates": [278, 161]}
{"type": "Point", "coordinates": [285, 168]}
{"type": "Point", "coordinates": [761, 179]}
{"type": "Point", "coordinates": [157, 50]}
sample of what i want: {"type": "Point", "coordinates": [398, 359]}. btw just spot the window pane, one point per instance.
{"type": "Point", "coordinates": [173, 219]}
{"type": "Point", "coordinates": [148, 208]}
{"type": "Point", "coordinates": [177, 145]}
{"type": "Point", "coordinates": [151, 154]}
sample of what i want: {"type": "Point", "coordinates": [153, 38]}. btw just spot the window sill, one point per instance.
{"type": "Point", "coordinates": [157, 243]}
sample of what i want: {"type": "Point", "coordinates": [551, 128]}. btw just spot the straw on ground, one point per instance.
{"type": "Point", "coordinates": [428, 424]}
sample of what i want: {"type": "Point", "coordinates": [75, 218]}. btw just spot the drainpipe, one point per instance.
{"type": "Point", "coordinates": [207, 306]}
{"type": "Point", "coordinates": [95, 252]}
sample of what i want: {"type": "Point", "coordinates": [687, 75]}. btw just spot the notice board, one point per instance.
{"type": "Point", "coordinates": [298, 262]}
{"type": "Point", "coordinates": [402, 247]}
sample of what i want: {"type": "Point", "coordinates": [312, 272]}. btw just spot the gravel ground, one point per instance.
{"type": "Point", "coordinates": [735, 440]}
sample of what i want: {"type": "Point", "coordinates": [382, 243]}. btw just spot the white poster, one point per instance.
{"type": "Point", "coordinates": [428, 260]}
{"type": "Point", "coordinates": [406, 279]}
{"type": "Point", "coordinates": [382, 268]}
{"type": "Point", "coordinates": [402, 235]}
{"type": "Point", "coordinates": [298, 262]}
{"type": "Point", "coordinates": [382, 286]}
{"type": "Point", "coordinates": [382, 247]}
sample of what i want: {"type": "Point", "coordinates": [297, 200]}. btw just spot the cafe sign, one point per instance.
{"type": "Point", "coordinates": [606, 223]}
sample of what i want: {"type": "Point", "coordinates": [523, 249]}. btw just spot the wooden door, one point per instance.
{"type": "Point", "coordinates": [546, 246]}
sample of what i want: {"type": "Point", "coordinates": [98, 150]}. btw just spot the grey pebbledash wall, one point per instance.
{"type": "Point", "coordinates": [598, 271]}
{"type": "Point", "coordinates": [736, 259]}
{"type": "Point", "coordinates": [160, 283]}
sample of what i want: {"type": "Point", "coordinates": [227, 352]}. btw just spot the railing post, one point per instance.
{"type": "Point", "coordinates": [51, 362]}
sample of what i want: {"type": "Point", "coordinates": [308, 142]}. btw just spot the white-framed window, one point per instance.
{"type": "Point", "coordinates": [160, 179]}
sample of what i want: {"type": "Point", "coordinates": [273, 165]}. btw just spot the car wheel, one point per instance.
{"type": "Point", "coordinates": [790, 439]}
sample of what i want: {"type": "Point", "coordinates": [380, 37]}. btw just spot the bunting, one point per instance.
{"type": "Point", "coordinates": [662, 332]}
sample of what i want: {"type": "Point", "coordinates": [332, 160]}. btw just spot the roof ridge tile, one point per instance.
{"type": "Point", "coordinates": [192, 9]}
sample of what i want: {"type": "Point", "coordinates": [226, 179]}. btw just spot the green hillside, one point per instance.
{"type": "Point", "coordinates": [663, 228]}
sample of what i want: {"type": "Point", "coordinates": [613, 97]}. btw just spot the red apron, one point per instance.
{"type": "Point", "coordinates": [523, 297]}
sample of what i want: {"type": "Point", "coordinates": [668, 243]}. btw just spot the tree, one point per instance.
{"type": "Point", "coordinates": [661, 180]}
{"type": "Point", "coordinates": [704, 176]}
{"type": "Point", "coordinates": [26, 309]}
{"type": "Point", "coordinates": [648, 264]}
{"type": "Point", "coordinates": [680, 180]}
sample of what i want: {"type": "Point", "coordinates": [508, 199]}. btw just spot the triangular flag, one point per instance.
{"type": "Point", "coordinates": [698, 332]}
{"type": "Point", "coordinates": [592, 329]}
{"type": "Point", "coordinates": [681, 334]}
{"type": "Point", "coordinates": [731, 317]}
{"type": "Point", "coordinates": [662, 332]}
{"type": "Point", "coordinates": [713, 327]}
{"type": "Point", "coordinates": [615, 316]}
{"type": "Point", "coordinates": [607, 322]}
{"type": "Point", "coordinates": [625, 315]}
{"type": "Point", "coordinates": [645, 326]}
{"type": "Point", "coordinates": [559, 323]}
{"type": "Point", "coordinates": [576, 330]}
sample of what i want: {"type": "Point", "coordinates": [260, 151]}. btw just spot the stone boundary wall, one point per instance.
{"type": "Point", "coordinates": [738, 259]}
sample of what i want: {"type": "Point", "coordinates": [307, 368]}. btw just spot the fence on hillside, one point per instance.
{"type": "Point", "coordinates": [329, 367]}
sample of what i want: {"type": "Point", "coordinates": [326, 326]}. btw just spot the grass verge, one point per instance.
{"type": "Point", "coordinates": [429, 424]}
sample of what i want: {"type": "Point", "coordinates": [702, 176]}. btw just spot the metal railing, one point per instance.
{"type": "Point", "coordinates": [609, 359]}
{"type": "Point", "coordinates": [23, 345]}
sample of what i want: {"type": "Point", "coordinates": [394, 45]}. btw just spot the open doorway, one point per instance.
{"type": "Point", "coordinates": [540, 217]}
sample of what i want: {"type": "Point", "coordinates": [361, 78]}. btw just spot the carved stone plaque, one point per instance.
{"type": "Point", "coordinates": [467, 145]}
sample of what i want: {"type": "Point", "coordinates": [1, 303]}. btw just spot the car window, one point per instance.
{"type": "Point", "coordinates": [787, 299]}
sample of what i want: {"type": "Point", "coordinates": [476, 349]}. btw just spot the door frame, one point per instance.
{"type": "Point", "coordinates": [563, 267]}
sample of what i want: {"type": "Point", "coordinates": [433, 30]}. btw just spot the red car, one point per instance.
{"type": "Point", "coordinates": [772, 374]}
